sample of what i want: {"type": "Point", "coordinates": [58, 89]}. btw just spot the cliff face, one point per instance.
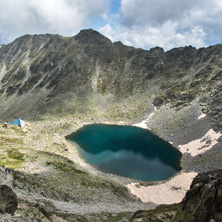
{"type": "Point", "coordinates": [38, 72]}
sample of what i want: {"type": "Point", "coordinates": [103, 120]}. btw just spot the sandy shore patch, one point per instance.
{"type": "Point", "coordinates": [201, 145]}
{"type": "Point", "coordinates": [170, 192]}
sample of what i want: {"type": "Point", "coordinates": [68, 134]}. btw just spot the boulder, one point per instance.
{"type": "Point", "coordinates": [202, 203]}
{"type": "Point", "coordinates": [8, 200]}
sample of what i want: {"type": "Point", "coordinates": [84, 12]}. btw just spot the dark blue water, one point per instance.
{"type": "Point", "coordinates": [127, 151]}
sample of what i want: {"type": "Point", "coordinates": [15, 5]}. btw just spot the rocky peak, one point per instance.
{"type": "Point", "coordinates": [183, 54]}
{"type": "Point", "coordinates": [90, 36]}
{"type": "Point", "coordinates": [157, 50]}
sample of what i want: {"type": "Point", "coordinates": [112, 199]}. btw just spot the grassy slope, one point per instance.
{"type": "Point", "coordinates": [47, 175]}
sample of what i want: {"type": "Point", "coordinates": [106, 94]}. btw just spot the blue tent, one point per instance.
{"type": "Point", "coordinates": [18, 122]}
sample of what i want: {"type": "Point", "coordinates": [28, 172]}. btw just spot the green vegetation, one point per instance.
{"type": "Point", "coordinates": [11, 147]}
{"type": "Point", "coordinates": [11, 158]}
{"type": "Point", "coordinates": [160, 213]}
{"type": "Point", "coordinates": [96, 217]}
{"type": "Point", "coordinates": [65, 168]}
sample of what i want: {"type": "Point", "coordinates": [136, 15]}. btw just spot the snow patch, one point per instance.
{"type": "Point", "coordinates": [202, 116]}
{"type": "Point", "coordinates": [144, 123]}
{"type": "Point", "coordinates": [201, 145]}
{"type": "Point", "coordinates": [170, 192]}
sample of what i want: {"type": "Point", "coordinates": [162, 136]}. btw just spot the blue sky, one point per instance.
{"type": "Point", "coordinates": [139, 23]}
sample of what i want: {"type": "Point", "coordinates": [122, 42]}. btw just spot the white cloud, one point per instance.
{"type": "Point", "coordinates": [140, 23]}
{"type": "Point", "coordinates": [65, 17]}
{"type": "Point", "coordinates": [167, 23]}
{"type": "Point", "coordinates": [167, 36]}
{"type": "Point", "coordinates": [140, 12]}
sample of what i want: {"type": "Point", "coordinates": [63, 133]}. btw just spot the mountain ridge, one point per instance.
{"type": "Point", "coordinates": [52, 65]}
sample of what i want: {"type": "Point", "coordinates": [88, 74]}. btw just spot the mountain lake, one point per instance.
{"type": "Point", "coordinates": [127, 151]}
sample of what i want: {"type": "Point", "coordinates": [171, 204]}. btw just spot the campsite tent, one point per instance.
{"type": "Point", "coordinates": [18, 122]}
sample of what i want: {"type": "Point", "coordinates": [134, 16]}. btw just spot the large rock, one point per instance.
{"type": "Point", "coordinates": [8, 200]}
{"type": "Point", "coordinates": [204, 199]}
{"type": "Point", "coordinates": [202, 203]}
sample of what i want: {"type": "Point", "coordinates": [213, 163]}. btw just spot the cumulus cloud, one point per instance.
{"type": "Point", "coordinates": [140, 23]}
{"type": "Point", "coordinates": [167, 23]}
{"type": "Point", "coordinates": [140, 12]}
{"type": "Point", "coordinates": [66, 17]}
{"type": "Point", "coordinates": [167, 36]}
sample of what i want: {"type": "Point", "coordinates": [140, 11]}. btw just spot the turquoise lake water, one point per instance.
{"type": "Point", "coordinates": [127, 151]}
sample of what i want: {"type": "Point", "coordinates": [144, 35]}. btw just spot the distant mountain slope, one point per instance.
{"type": "Point", "coordinates": [41, 73]}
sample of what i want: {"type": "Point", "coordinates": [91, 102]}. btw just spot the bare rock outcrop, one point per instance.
{"type": "Point", "coordinates": [202, 203]}
{"type": "Point", "coordinates": [8, 200]}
